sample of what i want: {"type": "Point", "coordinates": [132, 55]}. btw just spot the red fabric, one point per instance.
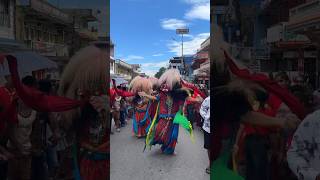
{"type": "Point", "coordinates": [112, 96]}
{"type": "Point", "coordinates": [36, 99]}
{"type": "Point", "coordinates": [8, 110]}
{"type": "Point", "coordinates": [142, 130]}
{"type": "Point", "coordinates": [163, 106]}
{"type": "Point", "coordinates": [93, 170]}
{"type": "Point", "coordinates": [271, 86]}
{"type": "Point", "coordinates": [194, 88]}
{"type": "Point", "coordinates": [123, 93]}
{"type": "Point", "coordinates": [274, 104]}
{"type": "Point", "coordinates": [120, 92]}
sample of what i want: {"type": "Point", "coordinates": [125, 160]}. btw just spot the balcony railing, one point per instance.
{"type": "Point", "coordinates": [49, 49]}
{"type": "Point", "coordinates": [47, 9]}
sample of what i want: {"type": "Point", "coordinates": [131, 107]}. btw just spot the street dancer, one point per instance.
{"type": "Point", "coordinates": [170, 100]}
{"type": "Point", "coordinates": [87, 124]}
{"type": "Point", "coordinates": [142, 106]}
{"type": "Point", "coordinates": [85, 78]}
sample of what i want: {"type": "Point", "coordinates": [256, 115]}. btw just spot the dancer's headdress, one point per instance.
{"type": "Point", "coordinates": [85, 73]}
{"type": "Point", "coordinates": [171, 79]}
{"type": "Point", "coordinates": [141, 84]}
{"type": "Point", "coordinates": [154, 81]}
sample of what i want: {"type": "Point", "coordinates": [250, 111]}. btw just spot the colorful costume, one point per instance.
{"type": "Point", "coordinates": [85, 77]}
{"type": "Point", "coordinates": [142, 106]}
{"type": "Point", "coordinates": [164, 130]}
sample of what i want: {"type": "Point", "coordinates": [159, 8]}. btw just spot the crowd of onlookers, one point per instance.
{"type": "Point", "coordinates": [31, 148]}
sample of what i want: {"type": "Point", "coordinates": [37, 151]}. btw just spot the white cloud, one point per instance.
{"type": "Point", "coordinates": [188, 36]}
{"type": "Point", "coordinates": [133, 57]}
{"type": "Point", "coordinates": [189, 47]}
{"type": "Point", "coordinates": [155, 64]}
{"type": "Point", "coordinates": [199, 11]}
{"type": "Point", "coordinates": [172, 24]}
{"type": "Point", "coordinates": [157, 55]}
{"type": "Point", "coordinates": [196, 1]}
{"type": "Point", "coordinates": [152, 68]}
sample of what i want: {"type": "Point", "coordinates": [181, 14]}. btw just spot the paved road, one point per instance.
{"type": "Point", "coordinates": [129, 162]}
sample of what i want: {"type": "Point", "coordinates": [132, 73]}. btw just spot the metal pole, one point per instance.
{"type": "Point", "coordinates": [182, 60]}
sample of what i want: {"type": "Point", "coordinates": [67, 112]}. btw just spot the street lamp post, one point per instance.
{"type": "Point", "coordinates": [182, 32]}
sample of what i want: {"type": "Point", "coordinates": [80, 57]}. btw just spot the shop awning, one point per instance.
{"type": "Point", "coordinates": [29, 61]}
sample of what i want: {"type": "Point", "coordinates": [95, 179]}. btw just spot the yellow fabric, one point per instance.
{"type": "Point", "coordinates": [234, 163]}
{"type": "Point", "coordinates": [151, 126]}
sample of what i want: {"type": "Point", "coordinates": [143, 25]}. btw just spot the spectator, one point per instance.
{"type": "Point", "coordinates": [283, 79]}
{"type": "Point", "coordinates": [19, 144]}
{"type": "Point", "coordinates": [205, 114]}
{"type": "Point", "coordinates": [303, 155]}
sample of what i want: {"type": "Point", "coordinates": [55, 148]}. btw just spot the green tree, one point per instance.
{"type": "Point", "coordinates": [160, 72]}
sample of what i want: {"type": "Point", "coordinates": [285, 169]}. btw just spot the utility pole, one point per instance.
{"type": "Point", "coordinates": [182, 32]}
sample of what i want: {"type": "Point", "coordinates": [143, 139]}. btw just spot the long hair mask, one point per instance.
{"type": "Point", "coordinates": [86, 71]}
{"type": "Point", "coordinates": [154, 81]}
{"type": "Point", "coordinates": [171, 78]}
{"type": "Point", "coordinates": [141, 84]}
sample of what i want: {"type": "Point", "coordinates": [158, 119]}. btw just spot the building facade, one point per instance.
{"type": "Point", "coordinates": [201, 64]}
{"type": "Point", "coordinates": [7, 20]}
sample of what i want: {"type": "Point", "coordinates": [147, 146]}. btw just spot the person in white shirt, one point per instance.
{"type": "Point", "coordinates": [205, 114]}
{"type": "Point", "coordinates": [304, 153]}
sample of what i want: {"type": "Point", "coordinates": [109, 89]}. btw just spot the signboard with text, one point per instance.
{"type": "Point", "coordinates": [182, 31]}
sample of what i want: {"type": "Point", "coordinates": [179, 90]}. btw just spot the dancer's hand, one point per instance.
{"type": "Point", "coordinates": [291, 123]}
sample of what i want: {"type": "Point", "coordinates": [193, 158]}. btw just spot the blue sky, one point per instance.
{"type": "Point", "coordinates": [144, 30]}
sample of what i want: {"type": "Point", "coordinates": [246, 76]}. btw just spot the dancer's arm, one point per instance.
{"type": "Point", "coordinates": [36, 99]}
{"type": "Point", "coordinates": [193, 87]}
{"type": "Point", "coordinates": [143, 94]}
{"type": "Point", "coordinates": [121, 92]}
{"type": "Point", "coordinates": [259, 119]}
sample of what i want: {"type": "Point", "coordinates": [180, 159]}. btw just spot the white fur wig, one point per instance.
{"type": "Point", "coordinates": [171, 77]}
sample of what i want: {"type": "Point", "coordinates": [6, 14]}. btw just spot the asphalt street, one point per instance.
{"type": "Point", "coordinates": [129, 162]}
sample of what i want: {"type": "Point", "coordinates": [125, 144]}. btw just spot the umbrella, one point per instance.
{"type": "Point", "coordinates": [119, 81]}
{"type": "Point", "coordinates": [27, 62]}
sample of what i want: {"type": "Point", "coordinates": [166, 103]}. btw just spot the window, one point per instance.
{"type": "Point", "coordinates": [5, 13]}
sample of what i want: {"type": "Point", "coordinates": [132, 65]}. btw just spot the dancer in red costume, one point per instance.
{"type": "Point", "coordinates": [84, 85]}
{"type": "Point", "coordinates": [171, 99]}
{"type": "Point", "coordinates": [280, 99]}
{"type": "Point", "coordinates": [142, 106]}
